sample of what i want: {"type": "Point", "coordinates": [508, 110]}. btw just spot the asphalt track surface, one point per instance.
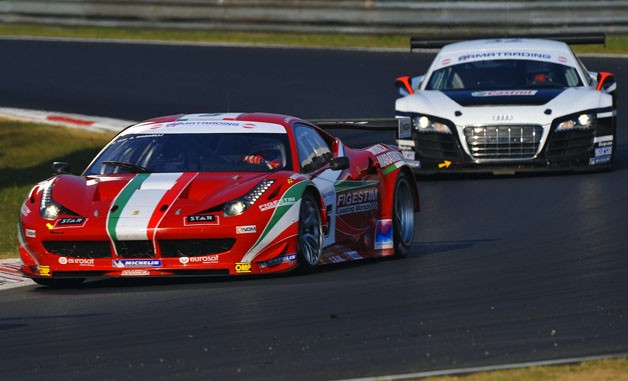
{"type": "Point", "coordinates": [503, 270]}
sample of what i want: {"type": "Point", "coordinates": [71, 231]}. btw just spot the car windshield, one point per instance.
{"type": "Point", "coordinates": [503, 74]}
{"type": "Point", "coordinates": [163, 153]}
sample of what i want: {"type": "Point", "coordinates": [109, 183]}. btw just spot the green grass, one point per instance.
{"type": "Point", "coordinates": [598, 370]}
{"type": "Point", "coordinates": [614, 44]}
{"type": "Point", "coordinates": [27, 151]}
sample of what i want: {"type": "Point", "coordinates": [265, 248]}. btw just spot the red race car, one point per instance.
{"type": "Point", "coordinates": [218, 194]}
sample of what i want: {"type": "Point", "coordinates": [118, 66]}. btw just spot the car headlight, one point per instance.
{"type": "Point", "coordinates": [578, 122]}
{"type": "Point", "coordinates": [49, 208]}
{"type": "Point", "coordinates": [427, 124]}
{"type": "Point", "coordinates": [238, 206]}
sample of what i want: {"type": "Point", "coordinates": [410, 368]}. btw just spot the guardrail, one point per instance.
{"type": "Point", "coordinates": [330, 16]}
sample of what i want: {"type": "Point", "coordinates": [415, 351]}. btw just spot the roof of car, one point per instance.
{"type": "Point", "coordinates": [506, 44]}
{"type": "Point", "coordinates": [212, 123]}
{"type": "Point", "coordinates": [513, 48]}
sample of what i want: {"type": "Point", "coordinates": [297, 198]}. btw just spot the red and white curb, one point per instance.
{"type": "Point", "coordinates": [85, 122]}
{"type": "Point", "coordinates": [11, 276]}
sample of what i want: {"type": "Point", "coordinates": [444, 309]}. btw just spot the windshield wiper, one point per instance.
{"type": "Point", "coordinates": [131, 167]}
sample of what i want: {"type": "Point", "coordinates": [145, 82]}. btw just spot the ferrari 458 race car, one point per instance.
{"type": "Point", "coordinates": [218, 194]}
{"type": "Point", "coordinates": [508, 105]}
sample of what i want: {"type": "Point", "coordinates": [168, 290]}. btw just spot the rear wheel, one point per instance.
{"type": "Point", "coordinates": [310, 239]}
{"type": "Point", "coordinates": [403, 216]}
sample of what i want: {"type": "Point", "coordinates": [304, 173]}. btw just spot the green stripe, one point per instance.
{"type": "Point", "coordinates": [391, 167]}
{"type": "Point", "coordinates": [122, 200]}
{"type": "Point", "coordinates": [295, 191]}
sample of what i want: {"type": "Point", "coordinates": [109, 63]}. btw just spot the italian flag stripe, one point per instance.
{"type": "Point", "coordinates": [139, 204]}
{"type": "Point", "coordinates": [168, 198]}
{"type": "Point", "coordinates": [121, 201]}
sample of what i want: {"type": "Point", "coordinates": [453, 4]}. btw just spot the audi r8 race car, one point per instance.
{"type": "Point", "coordinates": [218, 194]}
{"type": "Point", "coordinates": [508, 105]}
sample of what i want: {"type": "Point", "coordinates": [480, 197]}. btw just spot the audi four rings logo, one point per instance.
{"type": "Point", "coordinates": [502, 118]}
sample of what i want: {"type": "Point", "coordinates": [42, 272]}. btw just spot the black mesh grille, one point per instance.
{"type": "Point", "coordinates": [436, 146]}
{"type": "Point", "coordinates": [503, 142]}
{"type": "Point", "coordinates": [135, 249]}
{"type": "Point", "coordinates": [194, 247]}
{"type": "Point", "coordinates": [79, 249]}
{"type": "Point", "coordinates": [565, 144]}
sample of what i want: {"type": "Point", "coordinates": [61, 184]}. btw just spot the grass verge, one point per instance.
{"type": "Point", "coordinates": [615, 44]}
{"type": "Point", "coordinates": [27, 151]}
{"type": "Point", "coordinates": [598, 370]}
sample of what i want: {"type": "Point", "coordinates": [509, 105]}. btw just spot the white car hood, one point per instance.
{"type": "Point", "coordinates": [540, 106]}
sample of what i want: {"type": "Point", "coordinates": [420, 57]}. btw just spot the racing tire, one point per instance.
{"type": "Point", "coordinates": [310, 237]}
{"type": "Point", "coordinates": [59, 283]}
{"type": "Point", "coordinates": [403, 216]}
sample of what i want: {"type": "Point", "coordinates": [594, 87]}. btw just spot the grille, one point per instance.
{"type": "Point", "coordinates": [79, 249]}
{"type": "Point", "coordinates": [135, 249]}
{"type": "Point", "coordinates": [194, 247]}
{"type": "Point", "coordinates": [566, 144]}
{"type": "Point", "coordinates": [503, 142]}
{"type": "Point", "coordinates": [437, 146]}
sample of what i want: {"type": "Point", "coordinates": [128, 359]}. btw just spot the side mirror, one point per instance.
{"type": "Point", "coordinates": [339, 163]}
{"type": "Point", "coordinates": [60, 168]}
{"type": "Point", "coordinates": [606, 82]}
{"type": "Point", "coordinates": [407, 85]}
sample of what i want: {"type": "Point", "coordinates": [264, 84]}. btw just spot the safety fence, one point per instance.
{"type": "Point", "coordinates": [330, 16]}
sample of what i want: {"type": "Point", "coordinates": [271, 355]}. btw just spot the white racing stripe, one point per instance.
{"type": "Point", "coordinates": [134, 218]}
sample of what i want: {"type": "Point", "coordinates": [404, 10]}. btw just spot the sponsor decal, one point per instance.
{"type": "Point", "coordinates": [202, 259]}
{"type": "Point", "coordinates": [44, 271]}
{"type": "Point", "coordinates": [25, 210]}
{"type": "Point", "coordinates": [389, 158]}
{"type": "Point", "coordinates": [287, 201]}
{"type": "Point", "coordinates": [74, 222]}
{"type": "Point", "coordinates": [604, 151]}
{"type": "Point", "coordinates": [353, 255]}
{"type": "Point", "coordinates": [30, 233]}
{"type": "Point", "coordinates": [268, 206]}
{"type": "Point", "coordinates": [503, 93]}
{"type": "Point", "coordinates": [383, 234]}
{"type": "Point", "coordinates": [446, 62]}
{"type": "Point", "coordinates": [277, 261]}
{"type": "Point", "coordinates": [50, 226]}
{"type": "Point", "coordinates": [248, 125]}
{"type": "Point", "coordinates": [76, 261]}
{"type": "Point", "coordinates": [506, 54]}
{"type": "Point", "coordinates": [243, 267]}
{"type": "Point", "coordinates": [122, 263]}
{"type": "Point", "coordinates": [377, 149]}
{"type": "Point", "coordinates": [357, 201]}
{"type": "Point", "coordinates": [248, 229]}
{"type": "Point", "coordinates": [135, 273]}
{"type": "Point", "coordinates": [201, 219]}
{"type": "Point", "coordinates": [408, 154]}
{"type": "Point", "coordinates": [599, 160]}
{"type": "Point", "coordinates": [201, 123]}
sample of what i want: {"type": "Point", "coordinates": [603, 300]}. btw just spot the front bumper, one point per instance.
{"type": "Point", "coordinates": [578, 150]}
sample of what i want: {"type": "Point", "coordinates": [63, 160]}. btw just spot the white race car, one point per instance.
{"type": "Point", "coordinates": [508, 105]}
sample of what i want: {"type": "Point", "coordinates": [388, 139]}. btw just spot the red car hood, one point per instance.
{"type": "Point", "coordinates": [80, 194]}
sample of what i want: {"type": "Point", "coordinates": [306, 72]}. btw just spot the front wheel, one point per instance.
{"type": "Point", "coordinates": [310, 239]}
{"type": "Point", "coordinates": [403, 216]}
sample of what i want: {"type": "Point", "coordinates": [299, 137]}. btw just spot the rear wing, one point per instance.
{"type": "Point", "coordinates": [568, 38]}
{"type": "Point", "coordinates": [403, 126]}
